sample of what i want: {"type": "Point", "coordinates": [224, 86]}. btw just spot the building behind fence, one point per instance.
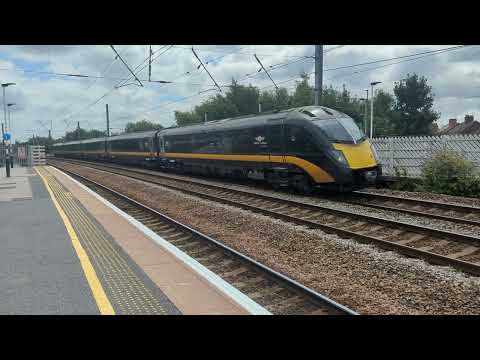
{"type": "Point", "coordinates": [411, 152]}
{"type": "Point", "coordinates": [24, 155]}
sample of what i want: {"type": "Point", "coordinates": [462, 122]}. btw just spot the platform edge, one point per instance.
{"type": "Point", "coordinates": [237, 296]}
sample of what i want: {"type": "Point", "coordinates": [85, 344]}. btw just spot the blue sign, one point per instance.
{"type": "Point", "coordinates": [6, 136]}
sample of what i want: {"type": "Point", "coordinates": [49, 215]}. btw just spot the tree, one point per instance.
{"type": "Point", "coordinates": [349, 105]}
{"type": "Point", "coordinates": [244, 98]}
{"type": "Point", "coordinates": [275, 100]}
{"type": "Point", "coordinates": [217, 108]}
{"type": "Point", "coordinates": [82, 134]}
{"type": "Point", "coordinates": [413, 114]}
{"type": "Point", "coordinates": [143, 125]}
{"type": "Point", "coordinates": [187, 118]}
{"type": "Point", "coordinates": [383, 103]}
{"type": "Point", "coordinates": [303, 95]}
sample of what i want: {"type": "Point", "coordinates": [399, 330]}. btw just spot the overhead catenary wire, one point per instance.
{"type": "Point", "coordinates": [126, 65]}
{"type": "Point", "coordinates": [310, 73]}
{"type": "Point", "coordinates": [201, 63]}
{"type": "Point", "coordinates": [94, 102]}
{"type": "Point", "coordinates": [239, 52]}
{"type": "Point", "coordinates": [333, 69]}
{"type": "Point", "coordinates": [399, 62]}
{"type": "Point", "coordinates": [258, 60]}
{"type": "Point", "coordinates": [144, 63]}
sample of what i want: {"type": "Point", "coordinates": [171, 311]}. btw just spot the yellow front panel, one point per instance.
{"type": "Point", "coordinates": [358, 155]}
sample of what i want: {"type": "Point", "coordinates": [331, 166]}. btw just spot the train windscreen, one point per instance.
{"type": "Point", "coordinates": [341, 129]}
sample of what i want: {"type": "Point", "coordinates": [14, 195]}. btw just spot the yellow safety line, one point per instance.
{"type": "Point", "coordinates": [99, 295]}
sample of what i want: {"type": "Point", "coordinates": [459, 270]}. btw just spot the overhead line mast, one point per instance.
{"type": "Point", "coordinates": [318, 73]}
{"type": "Point", "coordinates": [128, 67]}
{"type": "Point", "coordinates": [150, 64]}
{"type": "Point", "coordinates": [265, 70]}
{"type": "Point", "coordinates": [201, 63]}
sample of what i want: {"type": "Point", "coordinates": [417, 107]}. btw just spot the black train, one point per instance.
{"type": "Point", "coordinates": [301, 147]}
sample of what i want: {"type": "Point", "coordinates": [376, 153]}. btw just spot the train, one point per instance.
{"type": "Point", "coordinates": [301, 148]}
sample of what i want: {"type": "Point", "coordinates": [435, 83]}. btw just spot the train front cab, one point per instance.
{"type": "Point", "coordinates": [337, 154]}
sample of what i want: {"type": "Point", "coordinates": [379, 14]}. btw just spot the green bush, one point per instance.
{"type": "Point", "coordinates": [403, 183]}
{"type": "Point", "coordinates": [449, 173]}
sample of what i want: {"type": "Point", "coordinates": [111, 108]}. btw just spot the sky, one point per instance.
{"type": "Point", "coordinates": [46, 101]}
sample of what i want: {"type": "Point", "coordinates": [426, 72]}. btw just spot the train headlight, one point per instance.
{"type": "Point", "coordinates": [338, 155]}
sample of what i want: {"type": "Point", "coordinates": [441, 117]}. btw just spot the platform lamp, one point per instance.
{"type": "Point", "coordinates": [7, 160]}
{"type": "Point", "coordinates": [365, 100]}
{"type": "Point", "coordinates": [10, 128]}
{"type": "Point", "coordinates": [371, 107]}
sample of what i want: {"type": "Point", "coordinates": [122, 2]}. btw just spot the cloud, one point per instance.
{"type": "Point", "coordinates": [62, 101]}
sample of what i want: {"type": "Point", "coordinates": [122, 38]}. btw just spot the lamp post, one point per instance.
{"type": "Point", "coordinates": [366, 113]}
{"type": "Point", "coordinates": [371, 107]}
{"type": "Point", "coordinates": [365, 116]}
{"type": "Point", "coordinates": [9, 116]}
{"type": "Point", "coordinates": [10, 128]}
{"type": "Point", "coordinates": [7, 153]}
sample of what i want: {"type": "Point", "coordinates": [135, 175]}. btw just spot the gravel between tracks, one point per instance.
{"type": "Point", "coordinates": [366, 279]}
{"type": "Point", "coordinates": [358, 209]}
{"type": "Point", "coordinates": [449, 199]}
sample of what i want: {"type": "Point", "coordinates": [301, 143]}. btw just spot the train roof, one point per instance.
{"type": "Point", "coordinates": [239, 122]}
{"type": "Point", "coordinates": [140, 134]}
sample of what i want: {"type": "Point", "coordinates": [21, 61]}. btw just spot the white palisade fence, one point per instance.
{"type": "Point", "coordinates": [411, 152]}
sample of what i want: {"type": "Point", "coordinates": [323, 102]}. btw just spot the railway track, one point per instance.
{"type": "Point", "coordinates": [436, 246]}
{"type": "Point", "coordinates": [274, 291]}
{"type": "Point", "coordinates": [461, 214]}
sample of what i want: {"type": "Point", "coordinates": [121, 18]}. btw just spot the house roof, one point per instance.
{"type": "Point", "coordinates": [461, 129]}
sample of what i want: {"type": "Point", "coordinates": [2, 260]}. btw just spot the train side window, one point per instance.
{"type": "Point", "coordinates": [205, 143]}
{"type": "Point", "coordinates": [225, 142]}
{"type": "Point", "coordinates": [299, 140]}
{"type": "Point", "coordinates": [181, 143]}
{"type": "Point", "coordinates": [161, 145]}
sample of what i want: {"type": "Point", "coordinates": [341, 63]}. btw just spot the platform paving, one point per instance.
{"type": "Point", "coordinates": [39, 271]}
{"type": "Point", "coordinates": [62, 251]}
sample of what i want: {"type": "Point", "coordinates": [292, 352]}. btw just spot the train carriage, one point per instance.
{"type": "Point", "coordinates": [133, 148]}
{"type": "Point", "coordinates": [300, 148]}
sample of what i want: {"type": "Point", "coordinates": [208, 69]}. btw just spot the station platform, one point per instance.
{"type": "Point", "coordinates": [65, 250]}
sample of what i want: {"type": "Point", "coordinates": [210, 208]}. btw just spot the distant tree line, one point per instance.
{"type": "Point", "coordinates": [408, 111]}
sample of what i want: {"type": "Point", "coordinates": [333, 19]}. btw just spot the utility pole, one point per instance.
{"type": "Point", "coordinates": [371, 107]}
{"type": "Point", "coordinates": [366, 114]}
{"type": "Point", "coordinates": [3, 141]}
{"type": "Point", "coordinates": [108, 120]}
{"type": "Point", "coordinates": [205, 117]}
{"type": "Point", "coordinates": [318, 74]}
{"type": "Point", "coordinates": [150, 64]}
{"type": "Point", "coordinates": [259, 107]}
{"type": "Point", "coordinates": [78, 130]}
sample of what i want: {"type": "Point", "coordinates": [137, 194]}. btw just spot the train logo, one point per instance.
{"type": "Point", "coordinates": [259, 140]}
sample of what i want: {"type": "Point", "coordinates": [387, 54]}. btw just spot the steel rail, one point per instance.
{"type": "Point", "coordinates": [296, 286]}
{"type": "Point", "coordinates": [410, 251]}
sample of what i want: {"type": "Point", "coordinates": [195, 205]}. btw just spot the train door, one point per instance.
{"type": "Point", "coordinates": [276, 140]}
{"type": "Point", "coordinates": [161, 145]}
{"type": "Point", "coordinates": [277, 175]}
